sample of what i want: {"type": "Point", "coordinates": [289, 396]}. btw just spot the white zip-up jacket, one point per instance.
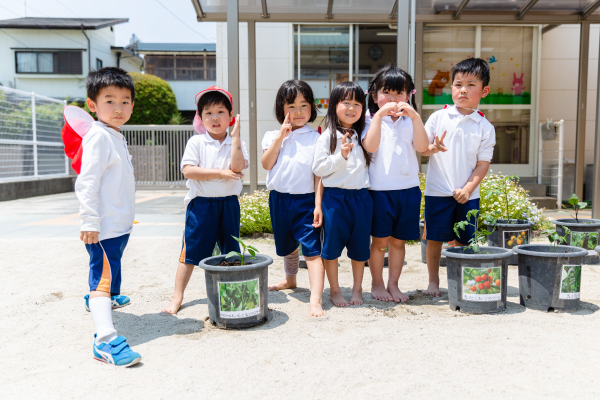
{"type": "Point", "coordinates": [105, 186]}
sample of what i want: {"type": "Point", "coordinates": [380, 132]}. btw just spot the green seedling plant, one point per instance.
{"type": "Point", "coordinates": [577, 205]}
{"type": "Point", "coordinates": [555, 238]}
{"type": "Point", "coordinates": [248, 248]}
{"type": "Point", "coordinates": [479, 235]}
{"type": "Point", "coordinates": [503, 187]}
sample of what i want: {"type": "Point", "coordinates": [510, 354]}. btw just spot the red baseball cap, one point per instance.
{"type": "Point", "coordinates": [198, 126]}
{"type": "Point", "coordinates": [77, 124]}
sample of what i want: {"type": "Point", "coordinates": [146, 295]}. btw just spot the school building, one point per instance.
{"type": "Point", "coordinates": [543, 55]}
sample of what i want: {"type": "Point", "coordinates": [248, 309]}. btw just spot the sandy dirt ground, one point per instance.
{"type": "Point", "coordinates": [420, 349]}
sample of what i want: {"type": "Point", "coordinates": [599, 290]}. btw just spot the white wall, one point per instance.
{"type": "Point", "coordinates": [558, 83]}
{"type": "Point", "coordinates": [273, 66]}
{"type": "Point", "coordinates": [185, 92]}
{"type": "Point", "coordinates": [58, 85]}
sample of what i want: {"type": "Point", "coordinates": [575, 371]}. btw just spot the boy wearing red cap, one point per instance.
{"type": "Point", "coordinates": [213, 164]}
{"type": "Point", "coordinates": [105, 188]}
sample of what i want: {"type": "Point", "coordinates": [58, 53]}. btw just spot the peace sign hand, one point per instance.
{"type": "Point", "coordinates": [286, 127]}
{"type": "Point", "coordinates": [438, 145]}
{"type": "Point", "coordinates": [346, 146]}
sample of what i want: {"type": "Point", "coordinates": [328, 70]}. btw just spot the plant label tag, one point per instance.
{"type": "Point", "coordinates": [239, 299]}
{"type": "Point", "coordinates": [515, 238]}
{"type": "Point", "coordinates": [585, 240]}
{"type": "Point", "coordinates": [570, 282]}
{"type": "Point", "coordinates": [482, 284]}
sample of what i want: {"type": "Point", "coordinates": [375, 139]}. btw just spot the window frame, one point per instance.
{"type": "Point", "coordinates": [49, 51]}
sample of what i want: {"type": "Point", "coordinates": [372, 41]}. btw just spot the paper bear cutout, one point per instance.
{"type": "Point", "coordinates": [517, 85]}
{"type": "Point", "coordinates": [439, 81]}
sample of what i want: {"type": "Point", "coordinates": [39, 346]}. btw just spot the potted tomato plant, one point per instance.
{"type": "Point", "coordinates": [507, 232]}
{"type": "Point", "coordinates": [476, 274]}
{"type": "Point", "coordinates": [550, 275]}
{"type": "Point", "coordinates": [583, 231]}
{"type": "Point", "coordinates": [237, 287]}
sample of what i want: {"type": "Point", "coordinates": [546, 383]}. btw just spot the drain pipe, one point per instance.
{"type": "Point", "coordinates": [89, 49]}
{"type": "Point", "coordinates": [118, 59]}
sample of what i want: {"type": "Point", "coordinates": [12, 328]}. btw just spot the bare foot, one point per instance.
{"type": "Point", "coordinates": [173, 306]}
{"type": "Point", "coordinates": [378, 292]}
{"type": "Point", "coordinates": [316, 310]}
{"type": "Point", "coordinates": [356, 299]}
{"type": "Point", "coordinates": [433, 289]}
{"type": "Point", "coordinates": [288, 283]}
{"type": "Point", "coordinates": [338, 300]}
{"type": "Point", "coordinates": [397, 294]}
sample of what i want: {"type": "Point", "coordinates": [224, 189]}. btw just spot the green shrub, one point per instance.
{"type": "Point", "coordinates": [254, 213]}
{"type": "Point", "coordinates": [155, 101]}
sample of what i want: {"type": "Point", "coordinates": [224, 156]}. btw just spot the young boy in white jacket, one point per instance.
{"type": "Point", "coordinates": [105, 188]}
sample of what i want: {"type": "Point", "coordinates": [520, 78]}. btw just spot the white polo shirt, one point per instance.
{"type": "Point", "coordinates": [469, 138]}
{"type": "Point", "coordinates": [394, 165]}
{"type": "Point", "coordinates": [292, 173]}
{"type": "Point", "coordinates": [337, 171]}
{"type": "Point", "coordinates": [105, 186]}
{"type": "Point", "coordinates": [205, 152]}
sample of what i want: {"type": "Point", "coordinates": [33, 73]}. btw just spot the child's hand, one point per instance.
{"type": "Point", "coordinates": [406, 110]}
{"type": "Point", "coordinates": [461, 196]}
{"type": "Point", "coordinates": [388, 109]}
{"type": "Point", "coordinates": [89, 237]}
{"type": "Point", "coordinates": [438, 145]}
{"type": "Point", "coordinates": [346, 146]}
{"type": "Point", "coordinates": [286, 127]}
{"type": "Point", "coordinates": [236, 127]}
{"type": "Point", "coordinates": [318, 220]}
{"type": "Point", "coordinates": [229, 174]}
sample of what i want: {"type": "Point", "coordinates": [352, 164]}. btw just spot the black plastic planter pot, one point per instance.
{"type": "Point", "coordinates": [237, 296]}
{"type": "Point", "coordinates": [477, 282]}
{"type": "Point", "coordinates": [424, 246]}
{"type": "Point", "coordinates": [583, 234]}
{"type": "Point", "coordinates": [549, 277]}
{"type": "Point", "coordinates": [509, 233]}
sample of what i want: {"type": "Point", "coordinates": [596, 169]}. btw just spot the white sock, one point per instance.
{"type": "Point", "coordinates": [100, 307]}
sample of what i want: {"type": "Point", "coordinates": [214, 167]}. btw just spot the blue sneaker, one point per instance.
{"type": "Point", "coordinates": [116, 352]}
{"type": "Point", "coordinates": [118, 301]}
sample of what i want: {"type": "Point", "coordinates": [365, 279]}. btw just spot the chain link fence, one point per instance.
{"type": "Point", "coordinates": [30, 136]}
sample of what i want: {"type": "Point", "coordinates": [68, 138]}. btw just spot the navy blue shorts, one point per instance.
{"type": "Point", "coordinates": [441, 213]}
{"type": "Point", "coordinates": [210, 220]}
{"type": "Point", "coordinates": [105, 264]}
{"type": "Point", "coordinates": [347, 217]}
{"type": "Point", "coordinates": [396, 213]}
{"type": "Point", "coordinates": [292, 216]}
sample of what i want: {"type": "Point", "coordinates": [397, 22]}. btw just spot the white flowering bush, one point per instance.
{"type": "Point", "coordinates": [254, 213]}
{"type": "Point", "coordinates": [504, 198]}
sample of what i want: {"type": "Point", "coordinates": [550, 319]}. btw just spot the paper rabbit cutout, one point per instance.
{"type": "Point", "coordinates": [517, 85]}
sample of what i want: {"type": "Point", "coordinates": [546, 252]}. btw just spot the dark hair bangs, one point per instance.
{"type": "Point", "coordinates": [213, 98]}
{"type": "Point", "coordinates": [108, 76]}
{"type": "Point", "coordinates": [287, 94]}
{"type": "Point", "coordinates": [473, 66]}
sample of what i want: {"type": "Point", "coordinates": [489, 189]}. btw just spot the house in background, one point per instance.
{"type": "Point", "coordinates": [188, 67]}
{"type": "Point", "coordinates": [52, 56]}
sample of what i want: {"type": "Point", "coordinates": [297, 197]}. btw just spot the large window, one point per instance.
{"type": "Point", "coordinates": [182, 67]}
{"type": "Point", "coordinates": [511, 53]}
{"type": "Point", "coordinates": [46, 62]}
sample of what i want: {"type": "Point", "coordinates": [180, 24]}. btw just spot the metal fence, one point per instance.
{"type": "Point", "coordinates": [550, 160]}
{"type": "Point", "coordinates": [156, 152]}
{"type": "Point", "coordinates": [30, 136]}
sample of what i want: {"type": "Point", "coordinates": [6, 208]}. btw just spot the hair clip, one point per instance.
{"type": "Point", "coordinates": [413, 91]}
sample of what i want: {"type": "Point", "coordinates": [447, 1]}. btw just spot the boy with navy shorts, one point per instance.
{"type": "Point", "coordinates": [459, 159]}
{"type": "Point", "coordinates": [105, 188]}
{"type": "Point", "coordinates": [212, 163]}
